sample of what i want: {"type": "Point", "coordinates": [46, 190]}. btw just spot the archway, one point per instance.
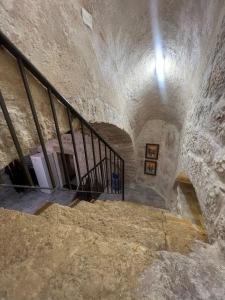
{"type": "Point", "coordinates": [123, 144]}
{"type": "Point", "coordinates": [187, 202]}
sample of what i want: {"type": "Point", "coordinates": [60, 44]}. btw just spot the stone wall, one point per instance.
{"type": "Point", "coordinates": [52, 35]}
{"type": "Point", "coordinates": [203, 140]}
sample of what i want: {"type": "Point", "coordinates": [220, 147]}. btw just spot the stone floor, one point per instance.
{"type": "Point", "coordinates": [30, 201]}
{"type": "Point", "coordinates": [137, 194]}
{"type": "Point", "coordinates": [106, 250]}
{"type": "Point", "coordinates": [145, 196]}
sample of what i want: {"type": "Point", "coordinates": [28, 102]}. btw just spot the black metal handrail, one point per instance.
{"type": "Point", "coordinates": [112, 160]}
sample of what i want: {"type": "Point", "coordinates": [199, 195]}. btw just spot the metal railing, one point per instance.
{"type": "Point", "coordinates": [98, 179]}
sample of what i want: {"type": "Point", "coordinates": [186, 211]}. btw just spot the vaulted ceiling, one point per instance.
{"type": "Point", "coordinates": [153, 53]}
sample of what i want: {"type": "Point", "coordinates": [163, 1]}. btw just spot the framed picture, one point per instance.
{"type": "Point", "coordinates": [150, 167]}
{"type": "Point", "coordinates": [152, 151]}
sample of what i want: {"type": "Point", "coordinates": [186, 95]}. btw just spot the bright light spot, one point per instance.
{"type": "Point", "coordinates": [160, 58]}
{"type": "Point", "coordinates": [160, 65]}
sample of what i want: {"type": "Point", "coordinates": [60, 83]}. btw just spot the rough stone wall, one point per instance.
{"type": "Point", "coordinates": [203, 151]}
{"type": "Point", "coordinates": [52, 35]}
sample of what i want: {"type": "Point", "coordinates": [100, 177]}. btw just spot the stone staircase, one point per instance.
{"type": "Point", "coordinates": [90, 251]}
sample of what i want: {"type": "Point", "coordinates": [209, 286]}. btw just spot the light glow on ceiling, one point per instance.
{"type": "Point", "coordinates": [160, 59]}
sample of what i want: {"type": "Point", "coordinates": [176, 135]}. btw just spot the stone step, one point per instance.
{"type": "Point", "coordinates": [127, 208]}
{"type": "Point", "coordinates": [48, 260]}
{"type": "Point", "coordinates": [156, 233]}
{"type": "Point", "coordinates": [133, 211]}
{"type": "Point", "coordinates": [149, 236]}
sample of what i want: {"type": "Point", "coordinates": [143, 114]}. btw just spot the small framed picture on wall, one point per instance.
{"type": "Point", "coordinates": [150, 167]}
{"type": "Point", "coordinates": [152, 151]}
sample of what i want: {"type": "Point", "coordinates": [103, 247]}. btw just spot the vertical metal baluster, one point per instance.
{"type": "Point", "coordinates": [35, 117]}
{"type": "Point", "coordinates": [107, 171]}
{"type": "Point", "coordinates": [59, 138]}
{"type": "Point", "coordinates": [119, 183]}
{"type": "Point", "coordinates": [105, 174]}
{"type": "Point", "coordinates": [116, 171]}
{"type": "Point", "coordinates": [15, 139]}
{"type": "Point", "coordinates": [123, 187]}
{"type": "Point", "coordinates": [100, 158]}
{"type": "Point", "coordinates": [85, 150]}
{"type": "Point", "coordinates": [110, 168]}
{"type": "Point", "coordinates": [94, 158]}
{"type": "Point", "coordinates": [74, 144]}
{"type": "Point", "coordinates": [92, 182]}
{"type": "Point", "coordinates": [99, 176]}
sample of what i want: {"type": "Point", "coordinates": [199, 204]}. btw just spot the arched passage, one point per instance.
{"type": "Point", "coordinates": [187, 202]}
{"type": "Point", "coordinates": [122, 143]}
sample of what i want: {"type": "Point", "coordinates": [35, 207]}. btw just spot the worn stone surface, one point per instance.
{"type": "Point", "coordinates": [65, 262]}
{"type": "Point", "coordinates": [200, 275]}
{"type": "Point", "coordinates": [202, 142]}
{"type": "Point", "coordinates": [91, 251]}
{"type": "Point", "coordinates": [150, 227]}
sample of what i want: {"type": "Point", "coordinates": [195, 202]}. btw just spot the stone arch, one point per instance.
{"type": "Point", "coordinates": [122, 143]}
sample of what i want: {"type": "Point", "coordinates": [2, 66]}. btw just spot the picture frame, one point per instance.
{"type": "Point", "coordinates": [151, 167]}
{"type": "Point", "coordinates": [152, 151]}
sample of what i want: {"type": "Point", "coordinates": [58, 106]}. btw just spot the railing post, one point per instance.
{"type": "Point", "coordinates": [123, 187]}
{"type": "Point", "coordinates": [107, 170]}
{"type": "Point", "coordinates": [94, 159]}
{"type": "Point", "coordinates": [85, 150]}
{"type": "Point", "coordinates": [74, 144]}
{"type": "Point", "coordinates": [100, 158]}
{"type": "Point", "coordinates": [15, 139]}
{"type": "Point", "coordinates": [59, 138]}
{"type": "Point", "coordinates": [35, 117]}
{"type": "Point", "coordinates": [110, 168]}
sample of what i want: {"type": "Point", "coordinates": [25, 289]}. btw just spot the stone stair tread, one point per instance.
{"type": "Point", "coordinates": [91, 211]}
{"type": "Point", "coordinates": [106, 247]}
{"type": "Point", "coordinates": [153, 238]}
{"type": "Point", "coordinates": [154, 233]}
{"type": "Point", "coordinates": [127, 207]}
{"type": "Point", "coordinates": [123, 209]}
{"type": "Point", "coordinates": [150, 211]}
{"type": "Point", "coordinates": [170, 218]}
{"type": "Point", "coordinates": [48, 260]}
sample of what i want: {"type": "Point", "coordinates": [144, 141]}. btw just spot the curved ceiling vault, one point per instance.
{"type": "Point", "coordinates": [152, 53]}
